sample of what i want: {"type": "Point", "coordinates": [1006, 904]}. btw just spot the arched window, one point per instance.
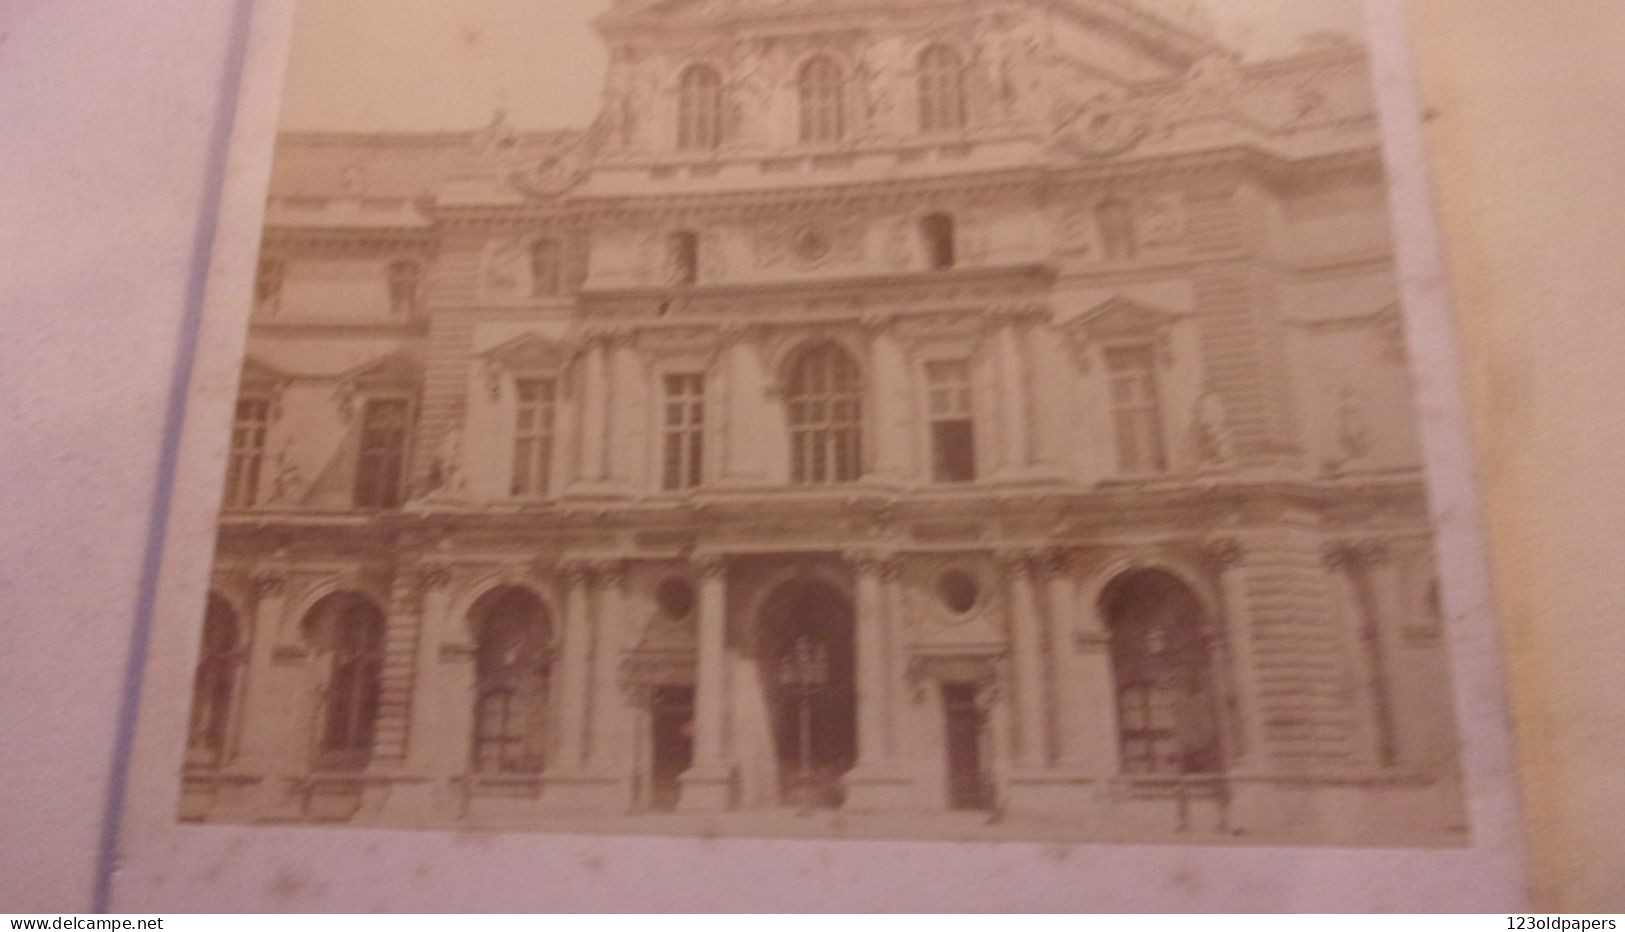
{"type": "Point", "coordinates": [937, 236]}
{"type": "Point", "coordinates": [1163, 666]}
{"type": "Point", "coordinates": [699, 109]}
{"type": "Point", "coordinates": [823, 91]}
{"type": "Point", "coordinates": [942, 90]}
{"type": "Point", "coordinates": [350, 631]}
{"type": "Point", "coordinates": [214, 686]}
{"type": "Point", "coordinates": [546, 267]}
{"type": "Point", "coordinates": [824, 400]}
{"type": "Point", "coordinates": [511, 668]}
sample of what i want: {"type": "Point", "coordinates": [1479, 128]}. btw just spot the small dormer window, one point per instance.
{"type": "Point", "coordinates": [684, 257]}
{"type": "Point", "coordinates": [937, 238]}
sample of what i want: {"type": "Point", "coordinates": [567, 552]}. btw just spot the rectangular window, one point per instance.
{"type": "Point", "coordinates": [1131, 374]}
{"type": "Point", "coordinates": [247, 452]}
{"type": "Point", "coordinates": [953, 431]}
{"type": "Point", "coordinates": [533, 436]}
{"type": "Point", "coordinates": [683, 453]}
{"type": "Point", "coordinates": [382, 463]}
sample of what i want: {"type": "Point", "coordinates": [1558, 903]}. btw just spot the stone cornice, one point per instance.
{"type": "Point", "coordinates": [781, 520]}
{"type": "Point", "coordinates": [854, 291]}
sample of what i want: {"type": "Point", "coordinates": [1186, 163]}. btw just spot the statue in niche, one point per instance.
{"type": "Point", "coordinates": [446, 479]}
{"type": "Point", "coordinates": [1211, 431]}
{"type": "Point", "coordinates": [504, 267]}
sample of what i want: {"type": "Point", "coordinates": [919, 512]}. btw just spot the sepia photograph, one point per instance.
{"type": "Point", "coordinates": [905, 419]}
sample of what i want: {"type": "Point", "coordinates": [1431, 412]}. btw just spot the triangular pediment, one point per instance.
{"type": "Point", "coordinates": [1122, 316]}
{"type": "Point", "coordinates": [259, 376]}
{"type": "Point", "coordinates": [530, 352]}
{"type": "Point", "coordinates": [398, 369]}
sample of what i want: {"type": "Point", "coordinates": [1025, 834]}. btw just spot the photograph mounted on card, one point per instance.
{"type": "Point", "coordinates": [913, 419]}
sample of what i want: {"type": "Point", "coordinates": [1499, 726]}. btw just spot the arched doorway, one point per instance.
{"type": "Point", "coordinates": [513, 659]}
{"type": "Point", "coordinates": [805, 651]}
{"type": "Point", "coordinates": [1163, 666]}
{"type": "Point", "coordinates": [347, 631]}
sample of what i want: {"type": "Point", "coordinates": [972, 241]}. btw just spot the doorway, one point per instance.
{"type": "Point", "coordinates": [969, 785]}
{"type": "Point", "coordinates": [806, 656]}
{"type": "Point", "coordinates": [671, 713]}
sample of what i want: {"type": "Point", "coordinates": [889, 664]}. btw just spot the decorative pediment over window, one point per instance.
{"type": "Point", "coordinates": [1121, 320]}
{"type": "Point", "coordinates": [395, 374]}
{"type": "Point", "coordinates": [531, 352]}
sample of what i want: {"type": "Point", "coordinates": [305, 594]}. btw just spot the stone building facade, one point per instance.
{"type": "Point", "coordinates": [913, 406]}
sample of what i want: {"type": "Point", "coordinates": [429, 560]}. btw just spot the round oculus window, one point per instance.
{"type": "Point", "coordinates": [811, 245]}
{"type": "Point", "coordinates": [959, 591]}
{"type": "Point", "coordinates": [675, 598]}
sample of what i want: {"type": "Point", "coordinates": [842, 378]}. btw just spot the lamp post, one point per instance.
{"type": "Point", "coordinates": [803, 673]}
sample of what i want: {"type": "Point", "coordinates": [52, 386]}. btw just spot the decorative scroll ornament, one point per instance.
{"type": "Point", "coordinates": [433, 577]}
{"type": "Point", "coordinates": [287, 479]}
{"type": "Point", "coordinates": [446, 478]}
{"type": "Point", "coordinates": [1100, 127]}
{"type": "Point", "coordinates": [1221, 553]}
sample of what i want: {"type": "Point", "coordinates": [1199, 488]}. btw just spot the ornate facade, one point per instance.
{"type": "Point", "coordinates": [908, 407]}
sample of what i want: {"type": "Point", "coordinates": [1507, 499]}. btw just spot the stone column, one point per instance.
{"type": "Point", "coordinates": [1362, 566]}
{"type": "Point", "coordinates": [1027, 662]}
{"type": "Point", "coordinates": [743, 430]}
{"type": "Point", "coordinates": [594, 414]}
{"type": "Point", "coordinates": [627, 410]}
{"type": "Point", "coordinates": [876, 783]}
{"type": "Point", "coordinates": [273, 743]}
{"type": "Point", "coordinates": [1013, 397]}
{"type": "Point", "coordinates": [575, 674]}
{"type": "Point", "coordinates": [441, 723]}
{"type": "Point", "coordinates": [1051, 380]}
{"type": "Point", "coordinates": [888, 372]}
{"type": "Point", "coordinates": [870, 644]}
{"type": "Point", "coordinates": [443, 703]}
{"type": "Point", "coordinates": [1085, 688]}
{"type": "Point", "coordinates": [705, 785]}
{"type": "Point", "coordinates": [610, 738]}
{"type": "Point", "coordinates": [1245, 739]}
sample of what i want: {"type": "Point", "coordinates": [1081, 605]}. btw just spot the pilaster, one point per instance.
{"type": "Point", "coordinates": [705, 787]}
